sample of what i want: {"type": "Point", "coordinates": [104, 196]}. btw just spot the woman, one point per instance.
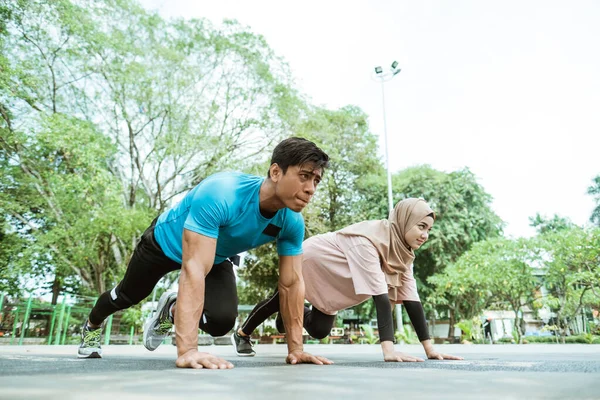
{"type": "Point", "coordinates": [370, 259]}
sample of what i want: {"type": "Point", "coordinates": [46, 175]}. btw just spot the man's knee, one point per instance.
{"type": "Point", "coordinates": [319, 332]}
{"type": "Point", "coordinates": [120, 300]}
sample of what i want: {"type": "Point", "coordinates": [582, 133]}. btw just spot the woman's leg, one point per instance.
{"type": "Point", "coordinates": [317, 323]}
{"type": "Point", "coordinates": [260, 313]}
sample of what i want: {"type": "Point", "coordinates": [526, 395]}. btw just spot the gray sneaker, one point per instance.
{"type": "Point", "coordinates": [90, 342]}
{"type": "Point", "coordinates": [242, 345]}
{"type": "Point", "coordinates": [159, 325]}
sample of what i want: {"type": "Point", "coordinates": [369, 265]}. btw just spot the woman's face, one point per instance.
{"type": "Point", "coordinates": [418, 234]}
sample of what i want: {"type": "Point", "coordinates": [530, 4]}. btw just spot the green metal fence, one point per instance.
{"type": "Point", "coordinates": [33, 321]}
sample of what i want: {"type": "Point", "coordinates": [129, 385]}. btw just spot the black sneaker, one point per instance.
{"type": "Point", "coordinates": [90, 342]}
{"type": "Point", "coordinates": [242, 345]}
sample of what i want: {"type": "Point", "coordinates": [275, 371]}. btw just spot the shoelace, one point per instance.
{"type": "Point", "coordinates": [246, 339]}
{"type": "Point", "coordinates": [164, 327]}
{"type": "Point", "coordinates": [92, 338]}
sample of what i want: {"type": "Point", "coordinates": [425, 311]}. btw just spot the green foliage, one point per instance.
{"type": "Point", "coordinates": [61, 196]}
{"type": "Point", "coordinates": [572, 271]}
{"type": "Point", "coordinates": [132, 317]}
{"type": "Point", "coordinates": [594, 190]}
{"type": "Point", "coordinates": [463, 217]}
{"type": "Point", "coordinates": [581, 339]}
{"type": "Point", "coordinates": [338, 201]}
{"type": "Point", "coordinates": [471, 329]}
{"type": "Point", "coordinates": [408, 335]}
{"type": "Point", "coordinates": [341, 198]}
{"type": "Point", "coordinates": [545, 225]}
{"type": "Point", "coordinates": [260, 274]}
{"type": "Point", "coordinates": [494, 272]}
{"type": "Point", "coordinates": [104, 121]}
{"type": "Point", "coordinates": [369, 333]}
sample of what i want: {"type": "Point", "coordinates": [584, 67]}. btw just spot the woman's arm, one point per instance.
{"type": "Point", "coordinates": [415, 312]}
{"type": "Point", "coordinates": [386, 330]}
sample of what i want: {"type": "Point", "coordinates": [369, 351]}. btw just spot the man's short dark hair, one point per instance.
{"type": "Point", "coordinates": [298, 151]}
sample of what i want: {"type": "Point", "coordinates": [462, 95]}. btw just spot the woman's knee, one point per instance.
{"type": "Point", "coordinates": [218, 325]}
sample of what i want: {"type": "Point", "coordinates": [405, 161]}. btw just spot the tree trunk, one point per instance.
{"type": "Point", "coordinates": [451, 325]}
{"type": "Point", "coordinates": [518, 326]}
{"type": "Point", "coordinates": [55, 290]}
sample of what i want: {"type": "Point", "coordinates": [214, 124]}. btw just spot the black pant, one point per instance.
{"type": "Point", "coordinates": [316, 323]}
{"type": "Point", "coordinates": [148, 264]}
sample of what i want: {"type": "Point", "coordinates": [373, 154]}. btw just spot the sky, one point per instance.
{"type": "Point", "coordinates": [509, 89]}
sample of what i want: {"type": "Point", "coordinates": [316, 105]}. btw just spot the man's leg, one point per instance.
{"type": "Point", "coordinates": [220, 307]}
{"type": "Point", "coordinates": [220, 300]}
{"type": "Point", "coordinates": [147, 265]}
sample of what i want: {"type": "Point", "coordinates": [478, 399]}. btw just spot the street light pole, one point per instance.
{"type": "Point", "coordinates": [387, 155]}
{"type": "Point", "coordinates": [384, 77]}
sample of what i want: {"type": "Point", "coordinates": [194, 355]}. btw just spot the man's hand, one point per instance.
{"type": "Point", "coordinates": [434, 355]}
{"type": "Point", "coordinates": [301, 357]}
{"type": "Point", "coordinates": [195, 359]}
{"type": "Point", "coordinates": [396, 356]}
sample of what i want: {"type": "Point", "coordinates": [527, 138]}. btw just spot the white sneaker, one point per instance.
{"type": "Point", "coordinates": [159, 325]}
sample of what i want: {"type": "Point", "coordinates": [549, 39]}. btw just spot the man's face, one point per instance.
{"type": "Point", "coordinates": [418, 234]}
{"type": "Point", "coordinates": [297, 186]}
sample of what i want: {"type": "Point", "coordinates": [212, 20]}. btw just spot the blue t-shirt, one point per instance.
{"type": "Point", "coordinates": [225, 206]}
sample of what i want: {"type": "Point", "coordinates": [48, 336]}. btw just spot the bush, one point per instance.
{"type": "Point", "coordinates": [369, 334]}
{"type": "Point", "coordinates": [577, 339]}
{"type": "Point", "coordinates": [540, 339]}
{"type": "Point", "coordinates": [505, 340]}
{"type": "Point", "coordinates": [408, 336]}
{"type": "Point", "coordinates": [584, 339]}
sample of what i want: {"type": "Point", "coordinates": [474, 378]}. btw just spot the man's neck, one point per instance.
{"type": "Point", "coordinates": [268, 201]}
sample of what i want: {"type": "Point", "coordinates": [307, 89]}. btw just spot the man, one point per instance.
{"type": "Point", "coordinates": [227, 213]}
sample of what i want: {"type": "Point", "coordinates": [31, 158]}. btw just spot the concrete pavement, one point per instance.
{"type": "Point", "coordinates": [131, 372]}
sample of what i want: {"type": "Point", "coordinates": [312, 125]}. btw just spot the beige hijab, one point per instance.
{"type": "Point", "coordinates": [388, 238]}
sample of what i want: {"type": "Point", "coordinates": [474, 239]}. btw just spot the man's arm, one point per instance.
{"type": "Point", "coordinates": [291, 302]}
{"type": "Point", "coordinates": [197, 259]}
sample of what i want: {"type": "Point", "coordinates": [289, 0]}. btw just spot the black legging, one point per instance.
{"type": "Point", "coordinates": [147, 265]}
{"type": "Point", "coordinates": [316, 323]}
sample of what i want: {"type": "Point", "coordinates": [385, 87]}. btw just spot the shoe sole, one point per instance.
{"type": "Point", "coordinates": [235, 349]}
{"type": "Point", "coordinates": [159, 306]}
{"type": "Point", "coordinates": [94, 354]}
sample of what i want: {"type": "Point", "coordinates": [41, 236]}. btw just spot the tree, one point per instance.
{"type": "Point", "coordinates": [572, 273]}
{"type": "Point", "coordinates": [460, 289]}
{"type": "Point", "coordinates": [11, 246]}
{"type": "Point", "coordinates": [544, 225]}
{"type": "Point", "coordinates": [495, 272]}
{"type": "Point", "coordinates": [339, 199]}
{"type": "Point", "coordinates": [594, 190]}
{"type": "Point", "coordinates": [58, 191]}
{"type": "Point", "coordinates": [105, 121]}
{"type": "Point", "coordinates": [463, 217]}
{"type": "Point", "coordinates": [259, 274]}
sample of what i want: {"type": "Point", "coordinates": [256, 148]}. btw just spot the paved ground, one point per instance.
{"type": "Point", "coordinates": [131, 372]}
